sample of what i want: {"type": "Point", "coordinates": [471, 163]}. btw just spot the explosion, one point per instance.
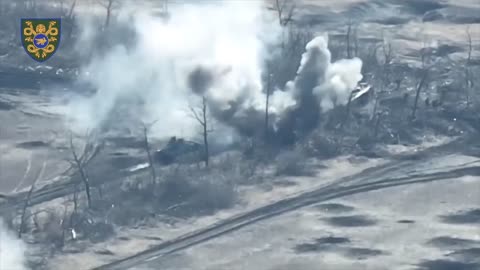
{"type": "Point", "coordinates": [217, 51]}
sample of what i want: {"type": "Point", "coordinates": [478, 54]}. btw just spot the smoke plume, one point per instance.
{"type": "Point", "coordinates": [12, 250]}
{"type": "Point", "coordinates": [215, 50]}
{"type": "Point", "coordinates": [319, 86]}
{"type": "Point", "coordinates": [330, 83]}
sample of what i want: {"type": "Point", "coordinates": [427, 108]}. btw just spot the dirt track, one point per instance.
{"type": "Point", "coordinates": [367, 181]}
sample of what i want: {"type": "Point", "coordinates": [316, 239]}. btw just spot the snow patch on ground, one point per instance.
{"type": "Point", "coordinates": [426, 142]}
{"type": "Point", "coordinates": [405, 230]}
{"type": "Point", "coordinates": [129, 241]}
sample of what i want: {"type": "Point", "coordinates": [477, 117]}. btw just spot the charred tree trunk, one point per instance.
{"type": "Point", "coordinates": [63, 224]}
{"type": "Point", "coordinates": [71, 20]}
{"type": "Point", "coordinates": [200, 114]}
{"type": "Point", "coordinates": [468, 81]}
{"type": "Point", "coordinates": [109, 13]}
{"type": "Point", "coordinates": [355, 41]}
{"type": "Point", "coordinates": [27, 202]}
{"type": "Point", "coordinates": [24, 211]}
{"type": "Point", "coordinates": [205, 130]}
{"type": "Point", "coordinates": [375, 108]}
{"type": "Point", "coordinates": [417, 94]}
{"type": "Point", "coordinates": [79, 164]}
{"type": "Point", "coordinates": [75, 206]}
{"type": "Point", "coordinates": [149, 155]}
{"type": "Point", "coordinates": [377, 125]}
{"type": "Point", "coordinates": [349, 30]}
{"type": "Point", "coordinates": [267, 105]}
{"type": "Point", "coordinates": [347, 110]}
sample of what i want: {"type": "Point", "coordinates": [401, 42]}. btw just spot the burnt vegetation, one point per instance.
{"type": "Point", "coordinates": [186, 178]}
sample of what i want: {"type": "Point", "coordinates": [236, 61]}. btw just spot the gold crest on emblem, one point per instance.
{"type": "Point", "coordinates": [40, 37]}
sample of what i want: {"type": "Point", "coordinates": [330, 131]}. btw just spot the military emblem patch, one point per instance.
{"type": "Point", "coordinates": [40, 37]}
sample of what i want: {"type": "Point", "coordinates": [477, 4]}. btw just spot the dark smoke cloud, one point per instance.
{"type": "Point", "coordinates": [220, 56]}
{"type": "Point", "coordinates": [318, 87]}
{"type": "Point", "coordinates": [200, 80]}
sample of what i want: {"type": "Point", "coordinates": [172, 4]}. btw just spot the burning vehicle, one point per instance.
{"type": "Point", "coordinates": [178, 150]}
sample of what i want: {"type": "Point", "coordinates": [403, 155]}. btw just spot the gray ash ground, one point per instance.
{"type": "Point", "coordinates": [426, 226]}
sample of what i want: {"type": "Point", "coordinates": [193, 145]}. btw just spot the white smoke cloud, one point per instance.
{"type": "Point", "coordinates": [341, 78]}
{"type": "Point", "coordinates": [12, 250]}
{"type": "Point", "coordinates": [216, 49]}
{"type": "Point", "coordinates": [331, 83]}
{"type": "Point", "coordinates": [227, 38]}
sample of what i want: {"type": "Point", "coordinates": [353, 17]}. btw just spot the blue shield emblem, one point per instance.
{"type": "Point", "coordinates": [40, 37]}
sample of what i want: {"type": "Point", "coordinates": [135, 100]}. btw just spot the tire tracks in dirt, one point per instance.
{"type": "Point", "coordinates": [65, 188]}
{"type": "Point", "coordinates": [322, 194]}
{"type": "Point", "coordinates": [25, 174]}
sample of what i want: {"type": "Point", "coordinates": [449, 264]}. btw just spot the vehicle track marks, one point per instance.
{"type": "Point", "coordinates": [25, 175]}
{"type": "Point", "coordinates": [323, 194]}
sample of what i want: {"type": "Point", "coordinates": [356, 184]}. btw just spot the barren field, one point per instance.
{"type": "Point", "coordinates": [396, 192]}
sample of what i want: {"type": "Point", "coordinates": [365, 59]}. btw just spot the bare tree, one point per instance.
{"type": "Point", "coordinates": [90, 150]}
{"type": "Point", "coordinates": [355, 40]}
{"type": "Point", "coordinates": [468, 77]}
{"type": "Point", "coordinates": [388, 56]}
{"type": "Point", "coordinates": [27, 200]}
{"type": "Point", "coordinates": [267, 106]}
{"type": "Point", "coordinates": [420, 86]}
{"type": "Point", "coordinates": [70, 19]}
{"type": "Point", "coordinates": [423, 79]}
{"type": "Point", "coordinates": [75, 205]}
{"type": "Point", "coordinates": [387, 52]}
{"type": "Point", "coordinates": [348, 38]}
{"type": "Point", "coordinates": [375, 105]}
{"type": "Point", "coordinates": [201, 115]}
{"type": "Point", "coordinates": [347, 110]}
{"type": "Point", "coordinates": [63, 223]}
{"type": "Point", "coordinates": [109, 6]}
{"type": "Point", "coordinates": [285, 10]}
{"type": "Point", "coordinates": [146, 144]}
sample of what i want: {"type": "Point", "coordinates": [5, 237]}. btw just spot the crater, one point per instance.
{"type": "Point", "coordinates": [447, 242]}
{"type": "Point", "coordinates": [463, 217]}
{"type": "Point", "coordinates": [362, 253]}
{"type": "Point", "coordinates": [104, 252]}
{"type": "Point", "coordinates": [406, 221]}
{"type": "Point", "coordinates": [471, 255]}
{"type": "Point", "coordinates": [155, 238]}
{"type": "Point", "coordinates": [332, 240]}
{"type": "Point", "coordinates": [351, 221]}
{"type": "Point", "coordinates": [321, 244]}
{"type": "Point", "coordinates": [447, 265]}
{"type": "Point", "coordinates": [32, 144]}
{"type": "Point", "coordinates": [119, 154]}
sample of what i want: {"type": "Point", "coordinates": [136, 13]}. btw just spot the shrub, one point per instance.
{"type": "Point", "coordinates": [51, 228]}
{"type": "Point", "coordinates": [127, 214]}
{"type": "Point", "coordinates": [291, 163]}
{"type": "Point", "coordinates": [214, 191]}
{"type": "Point", "coordinates": [177, 185]}
{"type": "Point", "coordinates": [321, 145]}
